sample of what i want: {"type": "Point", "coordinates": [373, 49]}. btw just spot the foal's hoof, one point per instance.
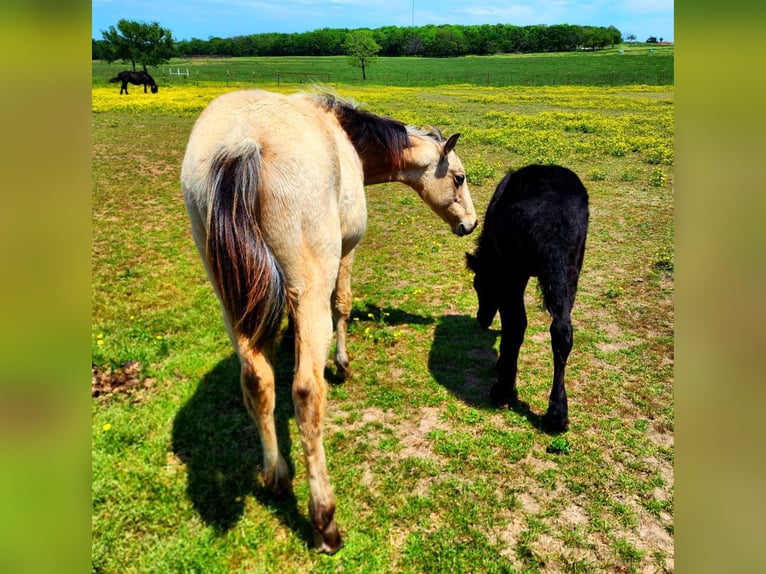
{"type": "Point", "coordinates": [555, 421]}
{"type": "Point", "coordinates": [502, 395]}
{"type": "Point", "coordinates": [329, 540]}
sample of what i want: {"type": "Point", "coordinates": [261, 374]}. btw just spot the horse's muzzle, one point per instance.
{"type": "Point", "coordinates": [463, 229]}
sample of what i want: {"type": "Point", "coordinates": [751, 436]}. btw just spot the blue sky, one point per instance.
{"type": "Point", "coordinates": [202, 19]}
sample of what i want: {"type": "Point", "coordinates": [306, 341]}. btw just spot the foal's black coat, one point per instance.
{"type": "Point", "coordinates": [135, 78]}
{"type": "Point", "coordinates": [536, 225]}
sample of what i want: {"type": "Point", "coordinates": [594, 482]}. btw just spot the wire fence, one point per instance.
{"type": "Point", "coordinates": [238, 77]}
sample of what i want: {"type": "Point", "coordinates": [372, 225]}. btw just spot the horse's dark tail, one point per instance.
{"type": "Point", "coordinates": [115, 79]}
{"type": "Point", "coordinates": [247, 275]}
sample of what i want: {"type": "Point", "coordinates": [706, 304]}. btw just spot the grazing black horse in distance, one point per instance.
{"type": "Point", "coordinates": [535, 226]}
{"type": "Point", "coordinates": [135, 78]}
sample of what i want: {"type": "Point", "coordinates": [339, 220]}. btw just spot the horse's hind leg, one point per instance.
{"type": "Point", "coordinates": [556, 419]}
{"type": "Point", "coordinates": [257, 379]}
{"type": "Point", "coordinates": [513, 321]}
{"type": "Point", "coordinates": [341, 308]}
{"type": "Point", "coordinates": [313, 335]}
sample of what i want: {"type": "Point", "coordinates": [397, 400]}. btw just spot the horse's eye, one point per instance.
{"type": "Point", "coordinates": [459, 179]}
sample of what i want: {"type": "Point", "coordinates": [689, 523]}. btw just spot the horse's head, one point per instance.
{"type": "Point", "coordinates": [154, 88]}
{"type": "Point", "coordinates": [486, 285]}
{"type": "Point", "coordinates": [435, 171]}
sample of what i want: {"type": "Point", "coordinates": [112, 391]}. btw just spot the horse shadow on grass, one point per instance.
{"type": "Point", "coordinates": [462, 359]}
{"type": "Point", "coordinates": [217, 440]}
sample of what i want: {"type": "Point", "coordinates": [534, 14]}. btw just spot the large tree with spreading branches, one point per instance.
{"type": "Point", "coordinates": [138, 43]}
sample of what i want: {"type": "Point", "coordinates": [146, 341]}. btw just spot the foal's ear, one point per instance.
{"type": "Point", "coordinates": [470, 261]}
{"type": "Point", "coordinates": [449, 145]}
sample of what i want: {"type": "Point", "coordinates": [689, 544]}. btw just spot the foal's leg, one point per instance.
{"type": "Point", "coordinates": [341, 310]}
{"type": "Point", "coordinates": [556, 419]}
{"type": "Point", "coordinates": [513, 321]}
{"type": "Point", "coordinates": [313, 335]}
{"type": "Point", "coordinates": [257, 380]}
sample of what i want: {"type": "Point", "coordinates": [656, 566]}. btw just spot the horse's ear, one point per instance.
{"type": "Point", "coordinates": [450, 144]}
{"type": "Point", "coordinates": [435, 131]}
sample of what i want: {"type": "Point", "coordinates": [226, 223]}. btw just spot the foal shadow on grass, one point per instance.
{"type": "Point", "coordinates": [462, 359]}
{"type": "Point", "coordinates": [216, 438]}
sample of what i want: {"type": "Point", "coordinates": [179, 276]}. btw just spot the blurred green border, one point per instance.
{"type": "Point", "coordinates": [720, 284]}
{"type": "Point", "coordinates": [45, 297]}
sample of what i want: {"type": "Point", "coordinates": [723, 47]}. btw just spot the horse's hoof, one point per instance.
{"type": "Point", "coordinates": [278, 480]}
{"type": "Point", "coordinates": [501, 395]}
{"type": "Point", "coordinates": [329, 540]}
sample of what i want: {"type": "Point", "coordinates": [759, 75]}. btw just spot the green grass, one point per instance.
{"type": "Point", "coordinates": [636, 64]}
{"type": "Point", "coordinates": [429, 477]}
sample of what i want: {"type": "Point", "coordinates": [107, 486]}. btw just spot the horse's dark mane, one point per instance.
{"type": "Point", "coordinates": [369, 132]}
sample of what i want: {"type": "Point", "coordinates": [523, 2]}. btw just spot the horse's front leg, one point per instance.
{"type": "Point", "coordinates": [313, 335]}
{"type": "Point", "coordinates": [341, 309]}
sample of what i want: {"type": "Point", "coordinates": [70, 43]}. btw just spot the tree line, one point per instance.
{"type": "Point", "coordinates": [428, 41]}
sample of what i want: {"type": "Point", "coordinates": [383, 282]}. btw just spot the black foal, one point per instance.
{"type": "Point", "coordinates": [536, 225]}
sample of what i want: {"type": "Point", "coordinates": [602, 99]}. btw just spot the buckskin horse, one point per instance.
{"type": "Point", "coordinates": [535, 226]}
{"type": "Point", "coordinates": [274, 189]}
{"type": "Point", "coordinates": [135, 78]}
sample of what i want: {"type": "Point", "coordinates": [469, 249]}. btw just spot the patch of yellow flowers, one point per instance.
{"type": "Point", "coordinates": [180, 101]}
{"type": "Point", "coordinates": [541, 124]}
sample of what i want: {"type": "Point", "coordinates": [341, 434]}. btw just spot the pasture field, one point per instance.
{"type": "Point", "coordinates": [429, 477]}
{"type": "Point", "coordinates": [637, 64]}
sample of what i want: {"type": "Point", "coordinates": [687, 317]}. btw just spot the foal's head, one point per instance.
{"type": "Point", "coordinates": [154, 88]}
{"type": "Point", "coordinates": [486, 285]}
{"type": "Point", "coordinates": [435, 171]}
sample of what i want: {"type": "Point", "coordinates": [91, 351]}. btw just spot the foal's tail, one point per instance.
{"type": "Point", "coordinates": [115, 79]}
{"type": "Point", "coordinates": [247, 274]}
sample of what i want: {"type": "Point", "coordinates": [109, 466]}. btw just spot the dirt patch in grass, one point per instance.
{"type": "Point", "coordinates": [127, 378]}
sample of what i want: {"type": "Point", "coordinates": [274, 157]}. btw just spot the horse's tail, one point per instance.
{"type": "Point", "coordinates": [115, 79]}
{"type": "Point", "coordinates": [247, 275]}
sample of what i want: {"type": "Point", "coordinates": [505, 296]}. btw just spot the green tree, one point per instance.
{"type": "Point", "coordinates": [138, 43]}
{"type": "Point", "coordinates": [362, 50]}
{"type": "Point", "coordinates": [447, 41]}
